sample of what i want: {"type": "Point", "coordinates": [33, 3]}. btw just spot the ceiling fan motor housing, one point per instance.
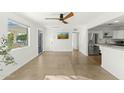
{"type": "Point", "coordinates": [61, 17]}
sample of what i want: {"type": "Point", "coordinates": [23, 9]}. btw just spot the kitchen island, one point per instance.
{"type": "Point", "coordinates": [113, 59]}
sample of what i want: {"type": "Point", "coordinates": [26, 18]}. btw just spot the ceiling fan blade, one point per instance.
{"type": "Point", "coordinates": [65, 22]}
{"type": "Point", "coordinates": [52, 18]}
{"type": "Point", "coordinates": [68, 16]}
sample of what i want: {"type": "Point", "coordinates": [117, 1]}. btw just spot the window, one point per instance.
{"type": "Point", "coordinates": [18, 34]}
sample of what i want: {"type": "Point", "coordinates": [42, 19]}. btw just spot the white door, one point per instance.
{"type": "Point", "coordinates": [49, 41]}
{"type": "Point", "coordinates": [75, 40]}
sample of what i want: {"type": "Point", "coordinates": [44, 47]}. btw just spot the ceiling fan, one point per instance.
{"type": "Point", "coordinates": [62, 17]}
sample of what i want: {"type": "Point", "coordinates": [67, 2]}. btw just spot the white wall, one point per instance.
{"type": "Point", "coordinates": [54, 44]}
{"type": "Point", "coordinates": [21, 55]}
{"type": "Point", "coordinates": [83, 40]}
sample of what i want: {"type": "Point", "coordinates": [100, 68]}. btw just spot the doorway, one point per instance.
{"type": "Point", "coordinates": [75, 41]}
{"type": "Point", "coordinates": [40, 42]}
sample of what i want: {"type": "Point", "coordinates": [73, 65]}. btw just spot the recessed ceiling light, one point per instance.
{"type": "Point", "coordinates": [116, 21]}
{"type": "Point", "coordinates": [110, 24]}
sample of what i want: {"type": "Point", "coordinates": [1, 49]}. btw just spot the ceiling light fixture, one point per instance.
{"type": "Point", "coordinates": [116, 21]}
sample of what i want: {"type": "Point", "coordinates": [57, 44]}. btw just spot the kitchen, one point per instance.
{"type": "Point", "coordinates": [107, 42]}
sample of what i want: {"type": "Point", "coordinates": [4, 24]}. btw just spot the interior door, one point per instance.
{"type": "Point", "coordinates": [40, 42]}
{"type": "Point", "coordinates": [75, 42]}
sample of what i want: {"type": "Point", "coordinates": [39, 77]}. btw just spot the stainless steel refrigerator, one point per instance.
{"type": "Point", "coordinates": [93, 49]}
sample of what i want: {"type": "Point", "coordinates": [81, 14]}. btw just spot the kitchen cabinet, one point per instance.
{"type": "Point", "coordinates": [101, 35]}
{"type": "Point", "coordinates": [107, 34]}
{"type": "Point", "coordinates": [113, 60]}
{"type": "Point", "coordinates": [118, 34]}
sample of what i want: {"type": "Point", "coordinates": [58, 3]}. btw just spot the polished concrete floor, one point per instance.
{"type": "Point", "coordinates": [62, 65]}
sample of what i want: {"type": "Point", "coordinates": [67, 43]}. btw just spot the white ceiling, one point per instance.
{"type": "Point", "coordinates": [117, 23]}
{"type": "Point", "coordinates": [79, 18]}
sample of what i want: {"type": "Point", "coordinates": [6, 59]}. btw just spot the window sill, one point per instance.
{"type": "Point", "coordinates": [20, 48]}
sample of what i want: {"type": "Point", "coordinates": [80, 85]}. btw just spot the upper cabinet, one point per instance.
{"type": "Point", "coordinates": [118, 34]}
{"type": "Point", "coordinates": [107, 34]}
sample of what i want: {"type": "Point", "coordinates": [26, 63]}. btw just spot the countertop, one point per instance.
{"type": "Point", "coordinates": [111, 46]}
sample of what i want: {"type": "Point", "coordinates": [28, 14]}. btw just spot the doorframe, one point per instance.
{"type": "Point", "coordinates": [40, 31]}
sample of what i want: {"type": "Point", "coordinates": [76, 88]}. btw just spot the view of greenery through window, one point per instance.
{"type": "Point", "coordinates": [18, 34]}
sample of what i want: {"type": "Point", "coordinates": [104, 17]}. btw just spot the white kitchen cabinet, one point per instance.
{"type": "Point", "coordinates": [107, 34]}
{"type": "Point", "coordinates": [113, 60]}
{"type": "Point", "coordinates": [118, 34]}
{"type": "Point", "coordinates": [101, 35]}
{"type": "Point", "coordinates": [114, 34]}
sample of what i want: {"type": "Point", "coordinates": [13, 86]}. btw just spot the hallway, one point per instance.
{"type": "Point", "coordinates": [63, 66]}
